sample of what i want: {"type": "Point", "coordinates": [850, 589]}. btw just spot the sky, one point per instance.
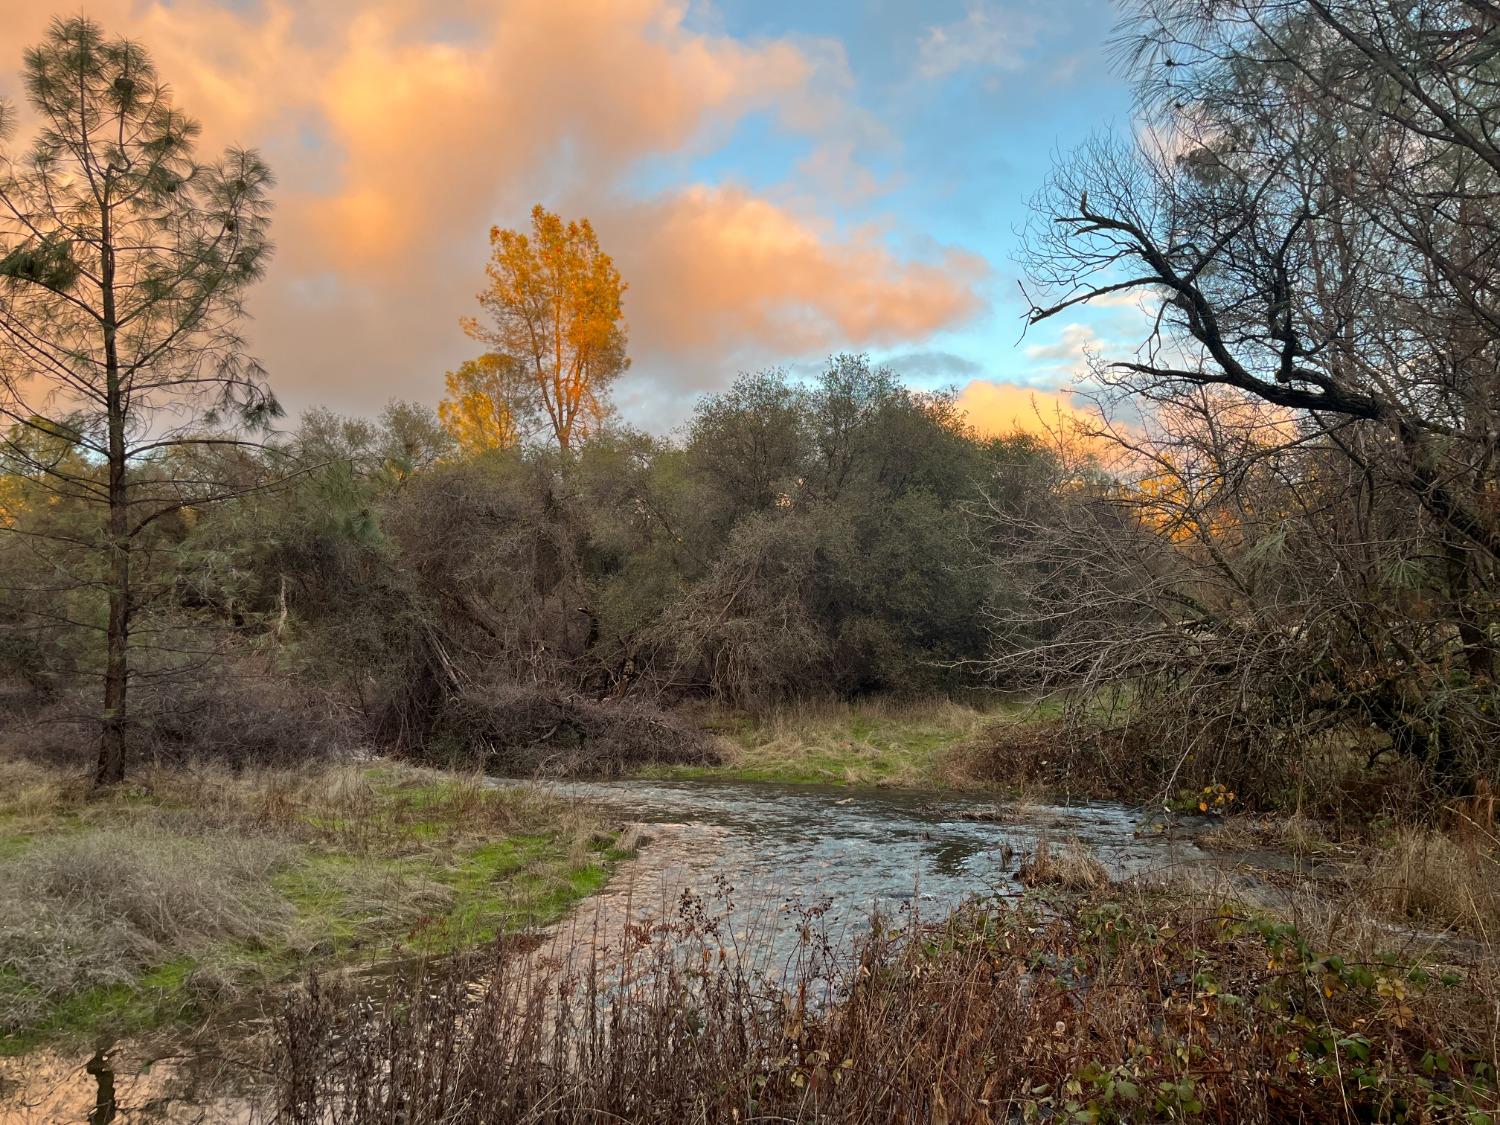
{"type": "Point", "coordinates": [777, 180]}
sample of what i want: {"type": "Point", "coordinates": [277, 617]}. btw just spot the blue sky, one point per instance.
{"type": "Point", "coordinates": [973, 103]}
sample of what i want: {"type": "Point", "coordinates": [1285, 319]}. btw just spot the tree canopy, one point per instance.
{"type": "Point", "coordinates": [553, 305]}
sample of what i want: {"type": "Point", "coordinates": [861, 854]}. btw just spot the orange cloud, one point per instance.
{"type": "Point", "coordinates": [235, 70]}
{"type": "Point", "coordinates": [997, 409]}
{"type": "Point", "coordinates": [400, 130]}
{"type": "Point", "coordinates": [730, 267]}
{"type": "Point", "coordinates": [432, 131]}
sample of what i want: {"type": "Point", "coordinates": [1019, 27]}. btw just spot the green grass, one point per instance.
{"type": "Point", "coordinates": [380, 864]}
{"type": "Point", "coordinates": [540, 886]}
{"type": "Point", "coordinates": [879, 743]}
{"type": "Point", "coordinates": [156, 998]}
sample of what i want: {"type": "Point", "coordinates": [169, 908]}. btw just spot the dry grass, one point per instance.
{"type": "Point", "coordinates": [1436, 880]}
{"type": "Point", "coordinates": [1415, 880]}
{"type": "Point", "coordinates": [193, 883]}
{"type": "Point", "coordinates": [1295, 834]}
{"type": "Point", "coordinates": [1073, 868]}
{"type": "Point", "coordinates": [99, 909]}
{"type": "Point", "coordinates": [31, 793]}
{"type": "Point", "coordinates": [883, 741]}
{"type": "Point", "coordinates": [1108, 1007]}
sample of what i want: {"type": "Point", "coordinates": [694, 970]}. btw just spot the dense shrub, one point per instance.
{"type": "Point", "coordinates": [232, 715]}
{"type": "Point", "coordinates": [1057, 757]}
{"type": "Point", "coordinates": [531, 730]}
{"type": "Point", "coordinates": [1140, 760]}
{"type": "Point", "coordinates": [239, 718]}
{"type": "Point", "coordinates": [1102, 1008]}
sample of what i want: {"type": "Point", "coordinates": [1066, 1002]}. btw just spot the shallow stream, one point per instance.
{"type": "Point", "coordinates": [781, 847]}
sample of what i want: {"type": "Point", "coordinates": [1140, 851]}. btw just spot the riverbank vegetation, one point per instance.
{"type": "Point", "coordinates": [195, 890]}
{"type": "Point", "coordinates": [883, 741]}
{"type": "Point", "coordinates": [1121, 1004]}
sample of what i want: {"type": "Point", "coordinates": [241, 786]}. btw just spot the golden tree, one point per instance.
{"type": "Point", "coordinates": [486, 406]}
{"type": "Point", "coordinates": [554, 307]}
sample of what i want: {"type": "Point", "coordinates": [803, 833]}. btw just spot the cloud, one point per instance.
{"type": "Point", "coordinates": [996, 409]}
{"type": "Point", "coordinates": [932, 365]}
{"type": "Point", "coordinates": [1074, 344]}
{"type": "Point", "coordinates": [988, 37]}
{"type": "Point", "coordinates": [433, 128]}
{"type": "Point", "coordinates": [1138, 299]}
{"type": "Point", "coordinates": [733, 271]}
{"type": "Point", "coordinates": [400, 130]}
{"type": "Point", "coordinates": [833, 172]}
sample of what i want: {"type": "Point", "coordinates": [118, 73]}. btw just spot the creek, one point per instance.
{"type": "Point", "coordinates": [761, 853]}
{"type": "Point", "coordinates": [756, 855]}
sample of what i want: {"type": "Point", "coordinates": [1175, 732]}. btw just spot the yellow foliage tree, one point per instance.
{"type": "Point", "coordinates": [554, 307]}
{"type": "Point", "coordinates": [484, 407]}
{"type": "Point", "coordinates": [35, 456]}
{"type": "Point", "coordinates": [1193, 488]}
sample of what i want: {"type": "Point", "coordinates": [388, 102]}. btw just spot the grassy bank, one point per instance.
{"type": "Point", "coordinates": [1007, 745]}
{"type": "Point", "coordinates": [189, 891]}
{"type": "Point", "coordinates": [1018, 748]}
{"type": "Point", "coordinates": [885, 742]}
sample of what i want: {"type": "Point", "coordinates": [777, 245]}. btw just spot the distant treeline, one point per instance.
{"type": "Point", "coordinates": [798, 540]}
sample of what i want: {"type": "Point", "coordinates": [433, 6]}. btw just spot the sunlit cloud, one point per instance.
{"type": "Point", "coordinates": [400, 131]}
{"type": "Point", "coordinates": [997, 409]}
{"type": "Point", "coordinates": [738, 271]}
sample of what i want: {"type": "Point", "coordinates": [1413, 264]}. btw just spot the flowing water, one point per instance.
{"type": "Point", "coordinates": [783, 848]}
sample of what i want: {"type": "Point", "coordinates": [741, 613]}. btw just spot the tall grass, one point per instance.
{"type": "Point", "coordinates": [87, 911]}
{"type": "Point", "coordinates": [196, 885]}
{"type": "Point", "coordinates": [879, 741]}
{"type": "Point", "coordinates": [1439, 880]}
{"type": "Point", "coordinates": [1073, 867]}
{"type": "Point", "coordinates": [1106, 1007]}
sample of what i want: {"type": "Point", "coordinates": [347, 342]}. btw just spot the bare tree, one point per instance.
{"type": "Point", "coordinates": [1306, 216]}
{"type": "Point", "coordinates": [1238, 594]}
{"type": "Point", "coordinates": [1306, 229]}
{"type": "Point", "coordinates": [123, 261]}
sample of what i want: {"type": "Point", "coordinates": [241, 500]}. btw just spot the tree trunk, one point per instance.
{"type": "Point", "coordinates": [111, 766]}
{"type": "Point", "coordinates": [1479, 650]}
